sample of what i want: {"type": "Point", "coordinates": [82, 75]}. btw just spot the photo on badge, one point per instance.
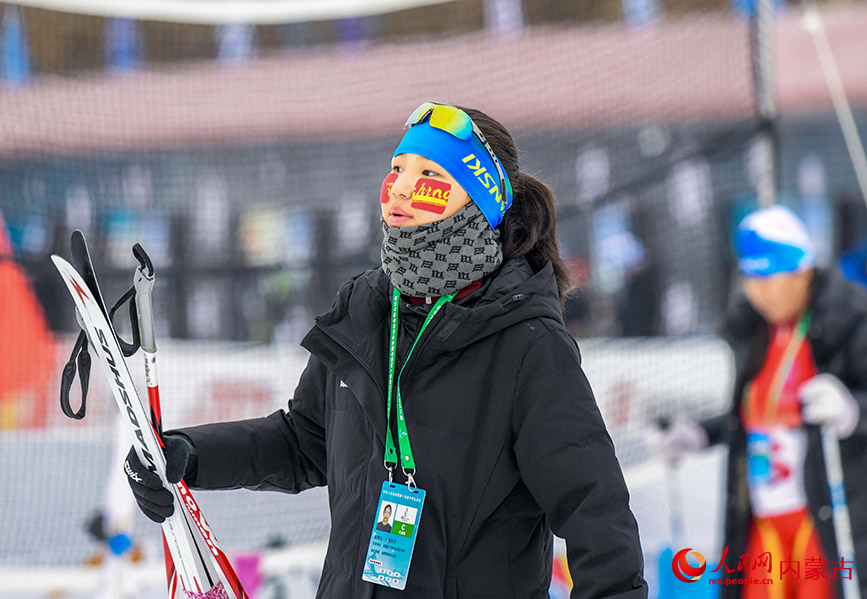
{"type": "Point", "coordinates": [385, 522]}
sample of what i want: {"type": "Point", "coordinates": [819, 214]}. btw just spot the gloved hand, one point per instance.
{"type": "Point", "coordinates": [674, 441]}
{"type": "Point", "coordinates": [825, 400]}
{"type": "Point", "coordinates": [152, 497]}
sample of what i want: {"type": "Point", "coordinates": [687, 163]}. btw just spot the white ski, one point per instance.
{"type": "Point", "coordinates": [202, 566]}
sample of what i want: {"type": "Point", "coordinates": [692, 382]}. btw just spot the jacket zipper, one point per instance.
{"type": "Point", "coordinates": [518, 297]}
{"type": "Point", "coordinates": [369, 371]}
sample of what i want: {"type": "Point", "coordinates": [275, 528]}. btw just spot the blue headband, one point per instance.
{"type": "Point", "coordinates": [467, 161]}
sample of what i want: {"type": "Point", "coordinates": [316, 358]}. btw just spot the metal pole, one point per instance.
{"type": "Point", "coordinates": [815, 25]}
{"type": "Point", "coordinates": [763, 81]}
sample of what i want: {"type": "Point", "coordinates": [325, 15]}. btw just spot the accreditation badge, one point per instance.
{"type": "Point", "coordinates": [759, 458]}
{"type": "Point", "coordinates": [393, 537]}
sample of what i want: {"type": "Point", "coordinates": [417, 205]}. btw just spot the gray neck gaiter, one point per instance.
{"type": "Point", "coordinates": [443, 256]}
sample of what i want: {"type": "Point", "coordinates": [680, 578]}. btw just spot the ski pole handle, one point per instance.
{"type": "Point", "coordinates": [143, 281]}
{"type": "Point", "coordinates": [664, 426]}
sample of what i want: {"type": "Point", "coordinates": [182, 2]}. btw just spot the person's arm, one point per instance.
{"type": "Point", "coordinates": [849, 415]}
{"type": "Point", "coordinates": [719, 428]}
{"type": "Point", "coordinates": [743, 328]}
{"type": "Point", "coordinates": [284, 451]}
{"type": "Point", "coordinates": [856, 379]}
{"type": "Point", "coordinates": [567, 461]}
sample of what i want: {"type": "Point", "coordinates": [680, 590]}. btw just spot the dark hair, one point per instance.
{"type": "Point", "coordinates": [529, 227]}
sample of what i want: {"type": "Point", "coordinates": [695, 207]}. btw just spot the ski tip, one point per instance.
{"type": "Point", "coordinates": [78, 243]}
{"type": "Point", "coordinates": [58, 260]}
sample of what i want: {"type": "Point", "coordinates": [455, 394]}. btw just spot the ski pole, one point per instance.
{"type": "Point", "coordinates": [206, 543]}
{"type": "Point", "coordinates": [842, 524]}
{"type": "Point", "coordinates": [675, 505]}
{"type": "Point", "coordinates": [143, 283]}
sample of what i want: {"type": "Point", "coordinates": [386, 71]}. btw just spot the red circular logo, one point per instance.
{"type": "Point", "coordinates": [684, 570]}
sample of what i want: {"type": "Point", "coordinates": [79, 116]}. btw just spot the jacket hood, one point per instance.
{"type": "Point", "coordinates": [521, 289]}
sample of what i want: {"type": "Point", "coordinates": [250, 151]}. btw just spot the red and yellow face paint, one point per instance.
{"type": "Point", "coordinates": [386, 187]}
{"type": "Point", "coordinates": [431, 195]}
{"type": "Point", "coordinates": [428, 194]}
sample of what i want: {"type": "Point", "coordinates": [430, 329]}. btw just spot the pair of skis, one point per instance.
{"type": "Point", "coordinates": [196, 566]}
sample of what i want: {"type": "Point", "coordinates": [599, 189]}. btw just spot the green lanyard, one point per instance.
{"type": "Point", "coordinates": [391, 460]}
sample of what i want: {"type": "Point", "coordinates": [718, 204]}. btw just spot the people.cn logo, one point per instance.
{"type": "Point", "coordinates": [684, 570]}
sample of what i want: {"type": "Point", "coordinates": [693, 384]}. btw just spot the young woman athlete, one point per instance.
{"type": "Point", "coordinates": [443, 382]}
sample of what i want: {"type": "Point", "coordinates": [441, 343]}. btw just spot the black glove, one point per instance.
{"type": "Point", "coordinates": [152, 497]}
{"type": "Point", "coordinates": [96, 527]}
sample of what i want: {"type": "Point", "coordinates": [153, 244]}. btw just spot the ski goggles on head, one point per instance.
{"type": "Point", "coordinates": [446, 117]}
{"type": "Point", "coordinates": [464, 153]}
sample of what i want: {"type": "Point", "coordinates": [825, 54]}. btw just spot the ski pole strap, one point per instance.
{"type": "Point", "coordinates": [408, 463]}
{"type": "Point", "coordinates": [128, 349]}
{"type": "Point", "coordinates": [79, 352]}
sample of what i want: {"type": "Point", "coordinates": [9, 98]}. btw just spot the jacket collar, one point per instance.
{"type": "Point", "coordinates": [519, 290]}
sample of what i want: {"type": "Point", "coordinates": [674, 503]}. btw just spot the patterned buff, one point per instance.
{"type": "Point", "coordinates": [443, 256]}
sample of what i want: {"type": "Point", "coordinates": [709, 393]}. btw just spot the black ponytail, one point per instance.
{"type": "Point", "coordinates": [529, 227]}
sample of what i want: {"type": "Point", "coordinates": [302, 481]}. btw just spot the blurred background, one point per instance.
{"type": "Point", "coordinates": [243, 145]}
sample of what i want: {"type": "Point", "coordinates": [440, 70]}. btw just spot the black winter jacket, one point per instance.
{"type": "Point", "coordinates": [838, 339]}
{"type": "Point", "coordinates": [507, 438]}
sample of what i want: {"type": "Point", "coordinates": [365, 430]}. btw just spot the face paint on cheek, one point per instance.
{"type": "Point", "coordinates": [385, 192]}
{"type": "Point", "coordinates": [431, 195]}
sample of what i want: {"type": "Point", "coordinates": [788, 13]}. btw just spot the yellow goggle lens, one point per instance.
{"type": "Point", "coordinates": [444, 117]}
